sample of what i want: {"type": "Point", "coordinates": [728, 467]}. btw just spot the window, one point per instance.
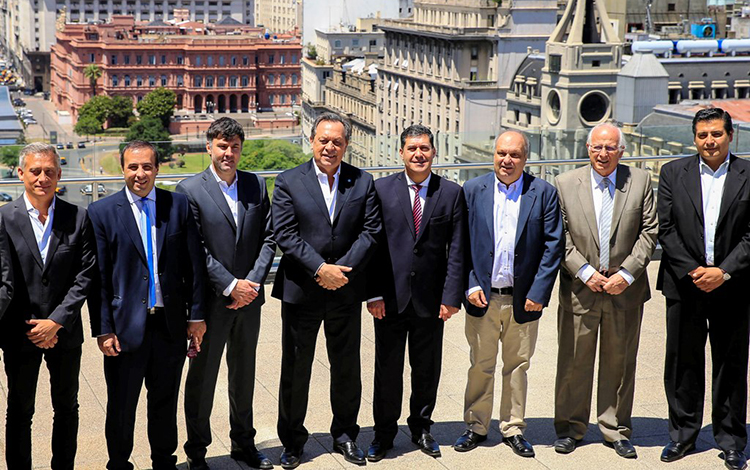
{"type": "Point", "coordinates": [180, 80]}
{"type": "Point", "coordinates": [233, 82]}
{"type": "Point", "coordinates": [163, 59]}
{"type": "Point", "coordinates": [222, 81]}
{"type": "Point", "coordinates": [671, 7]}
{"type": "Point", "coordinates": [92, 57]}
{"type": "Point", "coordinates": [245, 81]}
{"type": "Point", "coordinates": [114, 80]}
{"type": "Point", "coordinates": [210, 61]}
{"type": "Point", "coordinates": [140, 98]}
{"type": "Point", "coordinates": [210, 82]}
{"type": "Point", "coordinates": [294, 79]}
{"type": "Point", "coordinates": [197, 82]}
{"type": "Point", "coordinates": [294, 99]}
{"type": "Point", "coordinates": [139, 81]}
{"type": "Point", "coordinates": [233, 61]}
{"type": "Point", "coordinates": [127, 80]}
{"type": "Point", "coordinates": [294, 58]}
{"type": "Point", "coordinates": [270, 58]}
{"type": "Point", "coordinates": [271, 99]}
{"type": "Point", "coordinates": [126, 59]}
{"type": "Point", "coordinates": [337, 43]}
{"type": "Point", "coordinates": [163, 80]}
{"type": "Point", "coordinates": [113, 59]}
{"type": "Point", "coordinates": [373, 42]}
{"type": "Point", "coordinates": [271, 79]}
{"type": "Point", "coordinates": [282, 58]}
{"type": "Point", "coordinates": [151, 59]}
{"type": "Point", "coordinates": [473, 73]}
{"type": "Point", "coordinates": [474, 53]}
{"type": "Point", "coordinates": [197, 61]}
{"type": "Point", "coordinates": [283, 99]}
{"type": "Point", "coordinates": [355, 42]}
{"type": "Point", "coordinates": [283, 79]}
{"type": "Point", "coordinates": [221, 61]}
{"type": "Point", "coordinates": [138, 59]}
{"type": "Point", "coordinates": [245, 61]}
{"type": "Point", "coordinates": [180, 60]}
{"type": "Point", "coordinates": [151, 81]}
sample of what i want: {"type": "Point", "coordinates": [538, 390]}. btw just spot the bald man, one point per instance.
{"type": "Point", "coordinates": [609, 220]}
{"type": "Point", "coordinates": [516, 244]}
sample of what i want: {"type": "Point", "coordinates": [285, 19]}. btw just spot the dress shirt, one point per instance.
{"type": "Point", "coordinates": [137, 208]}
{"type": "Point", "coordinates": [230, 195]}
{"type": "Point", "coordinates": [712, 189]}
{"type": "Point", "coordinates": [41, 230]}
{"type": "Point", "coordinates": [597, 189]}
{"type": "Point", "coordinates": [507, 204]}
{"type": "Point", "coordinates": [330, 194]}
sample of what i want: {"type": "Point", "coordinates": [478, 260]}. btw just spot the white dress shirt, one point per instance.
{"type": "Point", "coordinates": [42, 231]}
{"type": "Point", "coordinates": [330, 194]}
{"type": "Point", "coordinates": [507, 204]}
{"type": "Point", "coordinates": [597, 189]}
{"type": "Point", "coordinates": [712, 189]}
{"type": "Point", "coordinates": [136, 207]}
{"type": "Point", "coordinates": [230, 195]}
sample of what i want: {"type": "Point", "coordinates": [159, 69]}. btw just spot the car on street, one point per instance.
{"type": "Point", "coordinates": [19, 102]}
{"type": "Point", "coordinates": [86, 190]}
{"type": "Point", "coordinates": [29, 122]}
{"type": "Point", "coordinates": [60, 147]}
{"type": "Point", "coordinates": [69, 145]}
{"type": "Point", "coordinates": [61, 190]}
{"type": "Point", "coordinates": [63, 160]}
{"type": "Point", "coordinates": [81, 145]}
{"type": "Point", "coordinates": [5, 197]}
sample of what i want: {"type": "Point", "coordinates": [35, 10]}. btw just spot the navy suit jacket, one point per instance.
{"type": "Point", "coordinates": [251, 255]}
{"type": "Point", "coordinates": [540, 244]}
{"type": "Point", "coordinates": [121, 306]}
{"type": "Point", "coordinates": [307, 236]}
{"type": "Point", "coordinates": [6, 270]}
{"type": "Point", "coordinates": [427, 270]}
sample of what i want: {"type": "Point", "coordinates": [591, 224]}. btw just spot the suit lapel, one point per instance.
{"type": "Point", "coordinates": [213, 190]}
{"type": "Point", "coordinates": [346, 182]}
{"type": "Point", "coordinates": [243, 196]}
{"type": "Point", "coordinates": [402, 195]}
{"type": "Point", "coordinates": [61, 217]}
{"type": "Point", "coordinates": [736, 179]}
{"type": "Point", "coordinates": [310, 181]}
{"type": "Point", "coordinates": [621, 195]}
{"type": "Point", "coordinates": [163, 199]}
{"type": "Point", "coordinates": [433, 195]}
{"type": "Point", "coordinates": [24, 225]}
{"type": "Point", "coordinates": [528, 196]}
{"type": "Point", "coordinates": [487, 198]}
{"type": "Point", "coordinates": [586, 199]}
{"type": "Point", "coordinates": [691, 180]}
{"type": "Point", "coordinates": [125, 213]}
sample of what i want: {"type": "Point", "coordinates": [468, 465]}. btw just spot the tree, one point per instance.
{"type": "Point", "coordinates": [93, 73]}
{"type": "Point", "coordinates": [9, 155]}
{"type": "Point", "coordinates": [159, 104]}
{"type": "Point", "coordinates": [150, 129]}
{"type": "Point", "coordinates": [271, 155]}
{"type": "Point", "coordinates": [97, 107]}
{"type": "Point", "coordinates": [120, 111]}
{"type": "Point", "coordinates": [87, 125]}
{"type": "Point", "coordinates": [312, 51]}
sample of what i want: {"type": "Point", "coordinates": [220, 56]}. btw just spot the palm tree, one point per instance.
{"type": "Point", "coordinates": [92, 72]}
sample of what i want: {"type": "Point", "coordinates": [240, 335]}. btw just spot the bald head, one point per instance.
{"type": "Point", "coordinates": [606, 145]}
{"type": "Point", "coordinates": [511, 151]}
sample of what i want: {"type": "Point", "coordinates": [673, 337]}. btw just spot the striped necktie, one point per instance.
{"type": "Point", "coordinates": [149, 245]}
{"type": "Point", "coordinates": [417, 208]}
{"type": "Point", "coordinates": [605, 225]}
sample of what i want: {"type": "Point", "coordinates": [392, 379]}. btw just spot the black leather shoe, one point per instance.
{"type": "Point", "coordinates": [427, 444]}
{"type": "Point", "coordinates": [735, 460]}
{"type": "Point", "coordinates": [377, 450]}
{"type": "Point", "coordinates": [469, 440]}
{"type": "Point", "coordinates": [252, 457]}
{"type": "Point", "coordinates": [623, 448]}
{"type": "Point", "coordinates": [520, 445]}
{"type": "Point", "coordinates": [675, 451]}
{"type": "Point", "coordinates": [350, 451]}
{"type": "Point", "coordinates": [566, 445]}
{"type": "Point", "coordinates": [198, 463]}
{"type": "Point", "coordinates": [290, 458]}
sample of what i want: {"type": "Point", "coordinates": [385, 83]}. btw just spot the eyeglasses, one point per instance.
{"type": "Point", "coordinates": [608, 149]}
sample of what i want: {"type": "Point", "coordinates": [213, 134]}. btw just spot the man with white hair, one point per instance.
{"type": "Point", "coordinates": [609, 219]}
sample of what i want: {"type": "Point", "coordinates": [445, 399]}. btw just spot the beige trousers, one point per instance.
{"type": "Point", "coordinates": [518, 342]}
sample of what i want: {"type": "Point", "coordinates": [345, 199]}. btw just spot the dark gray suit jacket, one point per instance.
{"type": "Point", "coordinates": [233, 251]}
{"type": "Point", "coordinates": [6, 270]}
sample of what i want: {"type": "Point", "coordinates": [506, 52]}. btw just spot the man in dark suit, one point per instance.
{"type": "Point", "coordinates": [516, 242]}
{"type": "Point", "coordinates": [326, 220]}
{"type": "Point", "coordinates": [152, 268]}
{"type": "Point", "coordinates": [704, 231]}
{"type": "Point", "coordinates": [416, 284]}
{"type": "Point", "coordinates": [233, 214]}
{"type": "Point", "coordinates": [52, 249]}
{"type": "Point", "coordinates": [6, 270]}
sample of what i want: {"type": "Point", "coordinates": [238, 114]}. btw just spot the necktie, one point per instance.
{"type": "Point", "coordinates": [417, 208]}
{"type": "Point", "coordinates": [605, 224]}
{"type": "Point", "coordinates": [148, 243]}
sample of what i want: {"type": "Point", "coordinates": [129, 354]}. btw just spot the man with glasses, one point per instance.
{"type": "Point", "coordinates": [609, 219]}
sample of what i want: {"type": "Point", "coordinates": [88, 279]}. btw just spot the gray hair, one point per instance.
{"type": "Point", "coordinates": [622, 142]}
{"type": "Point", "coordinates": [526, 147]}
{"type": "Point", "coordinates": [332, 117]}
{"type": "Point", "coordinates": [37, 148]}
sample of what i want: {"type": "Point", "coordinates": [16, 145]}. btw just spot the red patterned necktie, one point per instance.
{"type": "Point", "coordinates": [417, 209]}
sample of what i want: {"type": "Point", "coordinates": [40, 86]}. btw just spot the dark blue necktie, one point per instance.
{"type": "Point", "coordinates": [149, 244]}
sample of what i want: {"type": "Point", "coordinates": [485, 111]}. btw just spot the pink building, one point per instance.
{"type": "Point", "coordinates": [212, 68]}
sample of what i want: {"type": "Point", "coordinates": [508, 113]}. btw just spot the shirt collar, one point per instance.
{"type": "Point", "coordinates": [707, 169]}
{"type": "Point", "coordinates": [320, 173]}
{"type": "Point", "coordinates": [132, 197]}
{"type": "Point", "coordinates": [423, 184]}
{"type": "Point", "coordinates": [599, 178]}
{"type": "Point", "coordinates": [513, 188]}
{"type": "Point", "coordinates": [30, 207]}
{"type": "Point", "coordinates": [219, 180]}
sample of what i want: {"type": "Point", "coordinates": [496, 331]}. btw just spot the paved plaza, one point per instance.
{"type": "Point", "coordinates": [650, 410]}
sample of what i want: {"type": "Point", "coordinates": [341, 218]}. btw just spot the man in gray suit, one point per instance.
{"type": "Point", "coordinates": [609, 218]}
{"type": "Point", "coordinates": [232, 210]}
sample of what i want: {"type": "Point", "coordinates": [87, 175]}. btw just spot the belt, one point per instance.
{"type": "Point", "coordinates": [502, 290]}
{"type": "Point", "coordinates": [155, 310]}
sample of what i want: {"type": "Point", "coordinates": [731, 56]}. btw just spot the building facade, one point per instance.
{"type": "Point", "coordinates": [234, 72]}
{"type": "Point", "coordinates": [278, 16]}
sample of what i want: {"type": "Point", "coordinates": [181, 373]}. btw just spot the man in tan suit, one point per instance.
{"type": "Point", "coordinates": [602, 288]}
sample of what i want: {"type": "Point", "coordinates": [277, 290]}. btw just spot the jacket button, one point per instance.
{"type": "Point", "coordinates": [492, 255]}
{"type": "Point", "coordinates": [145, 278]}
{"type": "Point", "coordinates": [143, 301]}
{"type": "Point", "coordinates": [45, 281]}
{"type": "Point", "coordinates": [416, 251]}
{"type": "Point", "coordinates": [413, 274]}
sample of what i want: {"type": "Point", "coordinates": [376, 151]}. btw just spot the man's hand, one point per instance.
{"type": "Point", "coordinates": [245, 293]}
{"type": "Point", "coordinates": [49, 344]}
{"type": "Point", "coordinates": [195, 332]}
{"type": "Point", "coordinates": [615, 285]}
{"type": "Point", "coordinates": [447, 311]}
{"type": "Point", "coordinates": [376, 309]}
{"type": "Point", "coordinates": [109, 344]}
{"type": "Point", "coordinates": [332, 277]}
{"type": "Point", "coordinates": [596, 282]}
{"type": "Point", "coordinates": [478, 299]}
{"type": "Point", "coordinates": [707, 279]}
{"type": "Point", "coordinates": [532, 306]}
{"type": "Point", "coordinates": [42, 331]}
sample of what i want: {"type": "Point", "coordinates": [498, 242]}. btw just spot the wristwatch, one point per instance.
{"type": "Point", "coordinates": [726, 275]}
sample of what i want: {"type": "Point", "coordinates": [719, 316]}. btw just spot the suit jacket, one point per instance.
{"type": "Point", "coordinates": [680, 209]}
{"type": "Point", "coordinates": [307, 236]}
{"type": "Point", "coordinates": [121, 304]}
{"type": "Point", "coordinates": [233, 251]}
{"type": "Point", "coordinates": [539, 243]}
{"type": "Point", "coordinates": [427, 270]}
{"type": "Point", "coordinates": [56, 289]}
{"type": "Point", "coordinates": [6, 270]}
{"type": "Point", "coordinates": [631, 243]}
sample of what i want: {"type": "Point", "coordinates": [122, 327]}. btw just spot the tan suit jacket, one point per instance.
{"type": "Point", "coordinates": [632, 240]}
